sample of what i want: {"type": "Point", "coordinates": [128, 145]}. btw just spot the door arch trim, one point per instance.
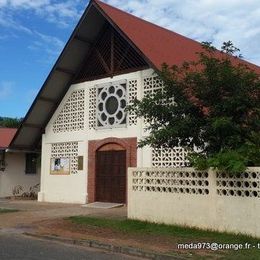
{"type": "Point", "coordinates": [111, 147]}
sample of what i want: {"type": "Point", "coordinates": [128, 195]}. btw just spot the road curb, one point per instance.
{"type": "Point", "coordinates": [108, 247]}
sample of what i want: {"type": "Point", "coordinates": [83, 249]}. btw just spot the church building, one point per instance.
{"type": "Point", "coordinates": [79, 120]}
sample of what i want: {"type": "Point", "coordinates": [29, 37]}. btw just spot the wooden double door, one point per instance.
{"type": "Point", "coordinates": [111, 176]}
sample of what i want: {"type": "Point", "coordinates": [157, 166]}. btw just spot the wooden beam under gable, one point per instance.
{"type": "Point", "coordinates": [83, 39]}
{"type": "Point", "coordinates": [32, 125]}
{"type": "Point", "coordinates": [102, 61]}
{"type": "Point", "coordinates": [122, 58]}
{"type": "Point", "coordinates": [112, 51]}
{"type": "Point", "coordinates": [66, 71]}
{"type": "Point", "coordinates": [110, 55]}
{"type": "Point", "coordinates": [49, 100]}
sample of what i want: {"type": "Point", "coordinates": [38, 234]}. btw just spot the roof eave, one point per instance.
{"type": "Point", "coordinates": [50, 74]}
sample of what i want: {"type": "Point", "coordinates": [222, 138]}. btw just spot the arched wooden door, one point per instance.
{"type": "Point", "coordinates": [111, 175]}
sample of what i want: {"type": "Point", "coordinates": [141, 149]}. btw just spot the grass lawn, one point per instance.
{"type": "Point", "coordinates": [3, 210]}
{"type": "Point", "coordinates": [177, 235]}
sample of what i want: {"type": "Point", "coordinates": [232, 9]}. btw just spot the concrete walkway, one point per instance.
{"type": "Point", "coordinates": [33, 211]}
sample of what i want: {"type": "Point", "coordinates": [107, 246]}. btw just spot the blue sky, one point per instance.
{"type": "Point", "coordinates": [31, 38]}
{"type": "Point", "coordinates": [33, 32]}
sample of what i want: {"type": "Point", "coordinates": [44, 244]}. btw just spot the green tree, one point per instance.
{"type": "Point", "coordinates": [10, 122]}
{"type": "Point", "coordinates": [210, 107]}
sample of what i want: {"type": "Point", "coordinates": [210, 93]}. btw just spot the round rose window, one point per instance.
{"type": "Point", "coordinates": [111, 105]}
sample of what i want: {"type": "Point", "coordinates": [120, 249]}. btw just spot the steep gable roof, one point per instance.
{"type": "Point", "coordinates": [154, 44]}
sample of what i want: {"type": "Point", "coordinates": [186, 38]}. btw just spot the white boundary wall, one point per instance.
{"type": "Point", "coordinates": [206, 200]}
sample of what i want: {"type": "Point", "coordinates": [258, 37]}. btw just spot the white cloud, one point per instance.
{"type": "Point", "coordinates": [51, 45]}
{"type": "Point", "coordinates": [8, 21]}
{"type": "Point", "coordinates": [6, 89]}
{"type": "Point", "coordinates": [48, 39]}
{"type": "Point", "coordinates": [3, 3]}
{"type": "Point", "coordinates": [61, 13]}
{"type": "Point", "coordinates": [28, 3]}
{"type": "Point", "coordinates": [205, 20]}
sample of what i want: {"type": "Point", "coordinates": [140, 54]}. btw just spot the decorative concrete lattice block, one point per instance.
{"type": "Point", "coordinates": [132, 95]}
{"type": "Point", "coordinates": [246, 184]}
{"type": "Point", "coordinates": [152, 85]}
{"type": "Point", "coordinates": [71, 117]}
{"type": "Point", "coordinates": [171, 181]}
{"type": "Point", "coordinates": [92, 108]}
{"type": "Point", "coordinates": [169, 157]}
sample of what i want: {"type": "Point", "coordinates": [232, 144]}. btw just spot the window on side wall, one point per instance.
{"type": "Point", "coordinates": [2, 160]}
{"type": "Point", "coordinates": [31, 163]}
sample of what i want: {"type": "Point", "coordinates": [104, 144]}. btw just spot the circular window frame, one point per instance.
{"type": "Point", "coordinates": [103, 117]}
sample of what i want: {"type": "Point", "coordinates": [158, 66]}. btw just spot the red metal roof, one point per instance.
{"type": "Point", "coordinates": [6, 136]}
{"type": "Point", "coordinates": [158, 44]}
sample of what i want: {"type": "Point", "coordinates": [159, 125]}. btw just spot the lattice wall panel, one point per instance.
{"type": "Point", "coordinates": [71, 117]}
{"type": "Point", "coordinates": [169, 157]}
{"type": "Point", "coordinates": [92, 108]}
{"type": "Point", "coordinates": [152, 85]}
{"type": "Point", "coordinates": [132, 95]}
{"type": "Point", "coordinates": [170, 181]}
{"type": "Point", "coordinates": [246, 184]}
{"type": "Point", "coordinates": [66, 150]}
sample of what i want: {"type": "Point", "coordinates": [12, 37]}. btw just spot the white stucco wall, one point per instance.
{"type": "Point", "coordinates": [73, 188]}
{"type": "Point", "coordinates": [14, 174]}
{"type": "Point", "coordinates": [182, 197]}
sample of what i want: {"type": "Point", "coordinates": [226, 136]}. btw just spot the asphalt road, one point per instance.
{"type": "Point", "coordinates": [20, 247]}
